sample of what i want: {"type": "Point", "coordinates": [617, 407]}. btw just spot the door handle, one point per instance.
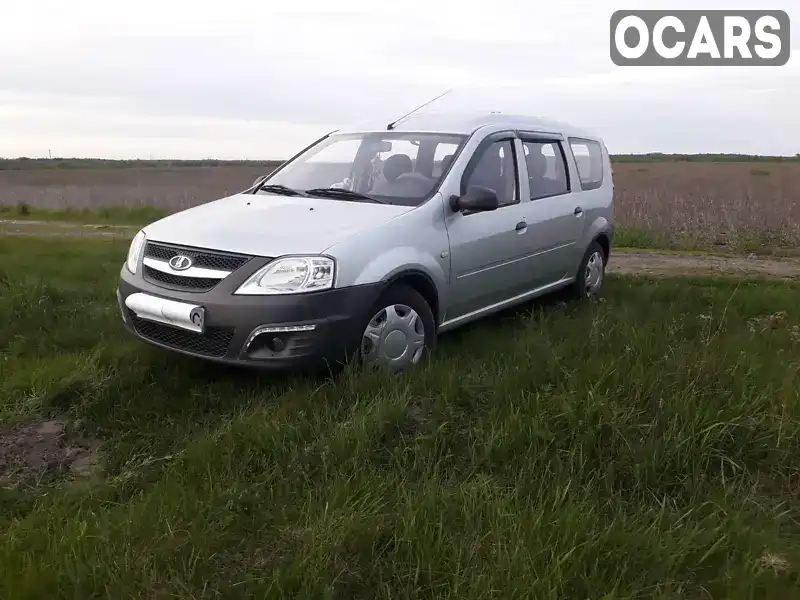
{"type": "Point", "coordinates": [520, 226]}
{"type": "Point", "coordinates": [578, 211]}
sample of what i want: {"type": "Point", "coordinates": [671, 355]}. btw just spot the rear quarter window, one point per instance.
{"type": "Point", "coordinates": [589, 160]}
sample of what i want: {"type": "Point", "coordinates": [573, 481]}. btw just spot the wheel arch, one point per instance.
{"type": "Point", "coordinates": [604, 240]}
{"type": "Point", "coordinates": [602, 232]}
{"type": "Point", "coordinates": [422, 283]}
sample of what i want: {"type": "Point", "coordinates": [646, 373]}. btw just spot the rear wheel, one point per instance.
{"type": "Point", "coordinates": [400, 330]}
{"type": "Point", "coordinates": [591, 273]}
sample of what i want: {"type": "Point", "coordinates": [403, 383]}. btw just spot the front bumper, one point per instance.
{"type": "Point", "coordinates": [290, 331]}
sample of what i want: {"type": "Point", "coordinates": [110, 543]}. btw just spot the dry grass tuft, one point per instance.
{"type": "Point", "coordinates": [736, 206]}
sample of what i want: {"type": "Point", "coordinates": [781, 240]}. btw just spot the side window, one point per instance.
{"type": "Point", "coordinates": [589, 159]}
{"type": "Point", "coordinates": [547, 171]}
{"type": "Point", "coordinates": [496, 170]}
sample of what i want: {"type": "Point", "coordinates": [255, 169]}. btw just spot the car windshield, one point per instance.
{"type": "Point", "coordinates": [385, 166]}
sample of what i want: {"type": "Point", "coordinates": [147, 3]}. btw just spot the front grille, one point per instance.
{"type": "Point", "coordinates": [189, 284]}
{"type": "Point", "coordinates": [214, 342]}
{"type": "Point", "coordinates": [207, 259]}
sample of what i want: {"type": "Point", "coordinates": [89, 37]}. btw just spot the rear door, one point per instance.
{"type": "Point", "coordinates": [487, 248]}
{"type": "Point", "coordinates": [553, 212]}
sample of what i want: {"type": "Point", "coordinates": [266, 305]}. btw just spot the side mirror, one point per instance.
{"type": "Point", "coordinates": [259, 179]}
{"type": "Point", "coordinates": [477, 199]}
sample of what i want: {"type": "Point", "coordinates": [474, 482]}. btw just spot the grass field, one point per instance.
{"type": "Point", "coordinates": [645, 446]}
{"type": "Point", "coordinates": [741, 207]}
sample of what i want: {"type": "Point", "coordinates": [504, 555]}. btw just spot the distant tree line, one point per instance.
{"type": "Point", "coordinates": [661, 157]}
{"type": "Point", "coordinates": [24, 163]}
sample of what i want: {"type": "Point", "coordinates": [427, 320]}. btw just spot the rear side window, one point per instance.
{"type": "Point", "coordinates": [547, 171]}
{"type": "Point", "coordinates": [589, 159]}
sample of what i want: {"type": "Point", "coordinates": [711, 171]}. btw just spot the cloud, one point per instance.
{"type": "Point", "coordinates": [205, 78]}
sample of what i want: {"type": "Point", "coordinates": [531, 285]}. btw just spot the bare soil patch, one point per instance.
{"type": "Point", "coordinates": [38, 451]}
{"type": "Point", "coordinates": [56, 228]}
{"type": "Point", "coordinates": [683, 265]}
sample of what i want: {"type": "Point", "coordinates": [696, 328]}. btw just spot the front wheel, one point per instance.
{"type": "Point", "coordinates": [400, 330]}
{"type": "Point", "coordinates": [591, 273]}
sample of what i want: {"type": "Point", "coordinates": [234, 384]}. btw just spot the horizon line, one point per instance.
{"type": "Point", "coordinates": [209, 158]}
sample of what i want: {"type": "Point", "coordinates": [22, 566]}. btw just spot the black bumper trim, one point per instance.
{"type": "Point", "coordinates": [337, 316]}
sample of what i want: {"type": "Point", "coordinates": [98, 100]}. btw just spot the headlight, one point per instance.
{"type": "Point", "coordinates": [291, 275]}
{"type": "Point", "coordinates": [135, 251]}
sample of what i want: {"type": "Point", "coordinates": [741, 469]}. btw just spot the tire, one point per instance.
{"type": "Point", "coordinates": [391, 337]}
{"type": "Point", "coordinates": [591, 274]}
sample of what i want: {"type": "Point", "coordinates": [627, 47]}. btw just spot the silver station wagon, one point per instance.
{"type": "Point", "coordinates": [370, 242]}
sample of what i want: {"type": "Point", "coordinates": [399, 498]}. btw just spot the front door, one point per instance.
{"type": "Point", "coordinates": [486, 248]}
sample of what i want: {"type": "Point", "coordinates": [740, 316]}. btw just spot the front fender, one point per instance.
{"type": "Point", "coordinates": [404, 259]}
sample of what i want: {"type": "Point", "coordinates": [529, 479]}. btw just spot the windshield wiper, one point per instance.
{"type": "Point", "coordinates": [342, 193]}
{"type": "Point", "coordinates": [279, 189]}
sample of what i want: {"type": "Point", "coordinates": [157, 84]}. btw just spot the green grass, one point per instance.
{"type": "Point", "coordinates": [646, 446]}
{"type": "Point", "coordinates": [104, 215]}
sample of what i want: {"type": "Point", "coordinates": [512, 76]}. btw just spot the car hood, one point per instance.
{"type": "Point", "coordinates": [270, 225]}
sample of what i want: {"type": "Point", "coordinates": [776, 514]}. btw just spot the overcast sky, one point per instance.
{"type": "Point", "coordinates": [238, 79]}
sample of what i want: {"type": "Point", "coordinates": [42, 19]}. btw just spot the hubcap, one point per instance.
{"type": "Point", "coordinates": [594, 273]}
{"type": "Point", "coordinates": [394, 338]}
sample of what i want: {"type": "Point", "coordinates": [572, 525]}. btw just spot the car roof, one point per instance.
{"type": "Point", "coordinates": [468, 123]}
